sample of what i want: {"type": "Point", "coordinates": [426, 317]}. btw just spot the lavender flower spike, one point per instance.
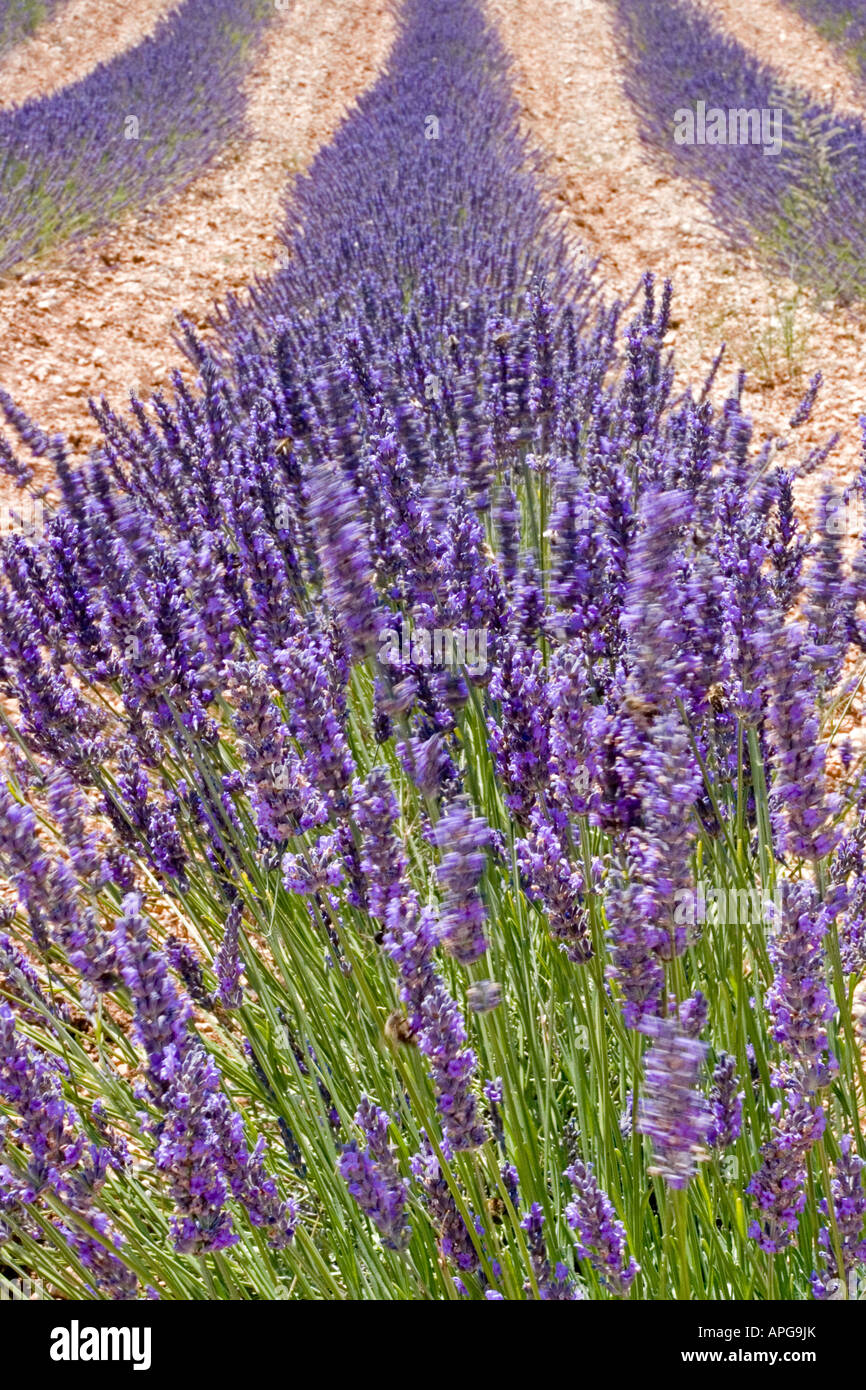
{"type": "Point", "coordinates": [798, 1000]}
{"type": "Point", "coordinates": [161, 1013]}
{"type": "Point", "coordinates": [373, 1179]}
{"type": "Point", "coordinates": [726, 1104]}
{"type": "Point", "coordinates": [462, 838]}
{"type": "Point", "coordinates": [849, 1206]}
{"type": "Point", "coordinates": [672, 1112]}
{"type": "Point", "coordinates": [554, 1285]}
{"type": "Point", "coordinates": [601, 1237]}
{"type": "Point", "coordinates": [229, 966]}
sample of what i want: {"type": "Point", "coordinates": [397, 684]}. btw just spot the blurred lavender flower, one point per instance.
{"type": "Point", "coordinates": [462, 839]}
{"type": "Point", "coordinates": [798, 752]}
{"type": "Point", "coordinates": [672, 1112]}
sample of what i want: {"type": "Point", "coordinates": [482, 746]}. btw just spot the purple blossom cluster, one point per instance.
{"type": "Point", "coordinates": [201, 1146]}
{"type": "Point", "coordinates": [373, 1179]}
{"type": "Point", "coordinates": [672, 1111]}
{"type": "Point", "coordinates": [848, 1203]}
{"type": "Point", "coordinates": [778, 1188]}
{"type": "Point", "coordinates": [601, 1236]}
{"type": "Point", "coordinates": [798, 1000]}
{"type": "Point", "coordinates": [47, 1151]}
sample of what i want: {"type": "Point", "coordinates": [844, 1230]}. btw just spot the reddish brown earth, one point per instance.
{"type": "Point", "coordinates": [780, 38]}
{"type": "Point", "coordinates": [96, 316]}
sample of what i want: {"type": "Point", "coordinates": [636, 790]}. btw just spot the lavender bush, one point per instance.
{"type": "Point", "coordinates": [341, 977]}
{"type": "Point", "coordinates": [794, 187]}
{"type": "Point", "coordinates": [132, 131]}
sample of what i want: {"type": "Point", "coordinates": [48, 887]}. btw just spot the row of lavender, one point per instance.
{"type": "Point", "coordinates": [334, 968]}
{"type": "Point", "coordinates": [134, 130]}
{"type": "Point", "coordinates": [780, 171]}
{"type": "Point", "coordinates": [840, 22]}
{"type": "Point", "coordinates": [21, 18]}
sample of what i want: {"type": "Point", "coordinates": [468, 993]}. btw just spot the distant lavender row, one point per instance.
{"type": "Point", "coordinates": [841, 22]}
{"type": "Point", "coordinates": [133, 130]}
{"type": "Point", "coordinates": [804, 204]}
{"type": "Point", "coordinates": [20, 18]}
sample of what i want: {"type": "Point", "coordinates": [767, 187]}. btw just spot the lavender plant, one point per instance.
{"type": "Point", "coordinates": [779, 170]}
{"type": "Point", "coordinates": [132, 131]}
{"type": "Point", "coordinates": [357, 975]}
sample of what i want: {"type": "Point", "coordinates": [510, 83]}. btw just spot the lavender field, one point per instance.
{"type": "Point", "coordinates": [433, 810]}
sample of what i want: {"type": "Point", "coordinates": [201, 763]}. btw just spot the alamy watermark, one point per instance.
{"type": "Point", "coordinates": [727, 906]}
{"type": "Point", "coordinates": [439, 646]}
{"type": "Point", "coordinates": [25, 516]}
{"type": "Point", "coordinates": [739, 125]}
{"type": "Point", "coordinates": [23, 1290]}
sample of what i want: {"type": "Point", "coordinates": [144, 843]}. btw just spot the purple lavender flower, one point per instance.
{"type": "Point", "coordinates": [601, 1237]}
{"type": "Point", "coordinates": [47, 888]}
{"type": "Point", "coordinates": [347, 566]}
{"type": "Point", "coordinates": [633, 939]}
{"type": "Point", "coordinates": [798, 1000]}
{"type": "Point", "coordinates": [228, 963]}
{"type": "Point", "coordinates": [554, 1285]}
{"type": "Point", "coordinates": [462, 838]}
{"type": "Point", "coordinates": [60, 1158]}
{"type": "Point", "coordinates": [569, 701]}
{"type": "Point", "coordinates": [280, 794]}
{"type": "Point", "coordinates": [432, 1014]}
{"type": "Point", "coordinates": [520, 744]}
{"type": "Point", "coordinates": [189, 1153]}
{"type": "Point", "coordinates": [726, 1104]}
{"type": "Point", "coordinates": [849, 1207]}
{"type": "Point", "coordinates": [779, 1185]}
{"type": "Point", "coordinates": [825, 609]}
{"type": "Point", "coordinates": [442, 1039]}
{"type": "Point", "coordinates": [373, 1179]}
{"type": "Point", "coordinates": [452, 1235]}
{"type": "Point", "coordinates": [161, 1014]}
{"type": "Point", "coordinates": [312, 686]}
{"type": "Point", "coordinates": [484, 996]}
{"type": "Point", "coordinates": [550, 879]}
{"type": "Point", "coordinates": [672, 1112]}
{"type": "Point", "coordinates": [798, 753]}
{"type": "Point", "coordinates": [184, 962]}
{"type": "Point", "coordinates": [383, 861]}
{"type": "Point", "coordinates": [693, 1014]}
{"type": "Point", "coordinates": [652, 615]}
